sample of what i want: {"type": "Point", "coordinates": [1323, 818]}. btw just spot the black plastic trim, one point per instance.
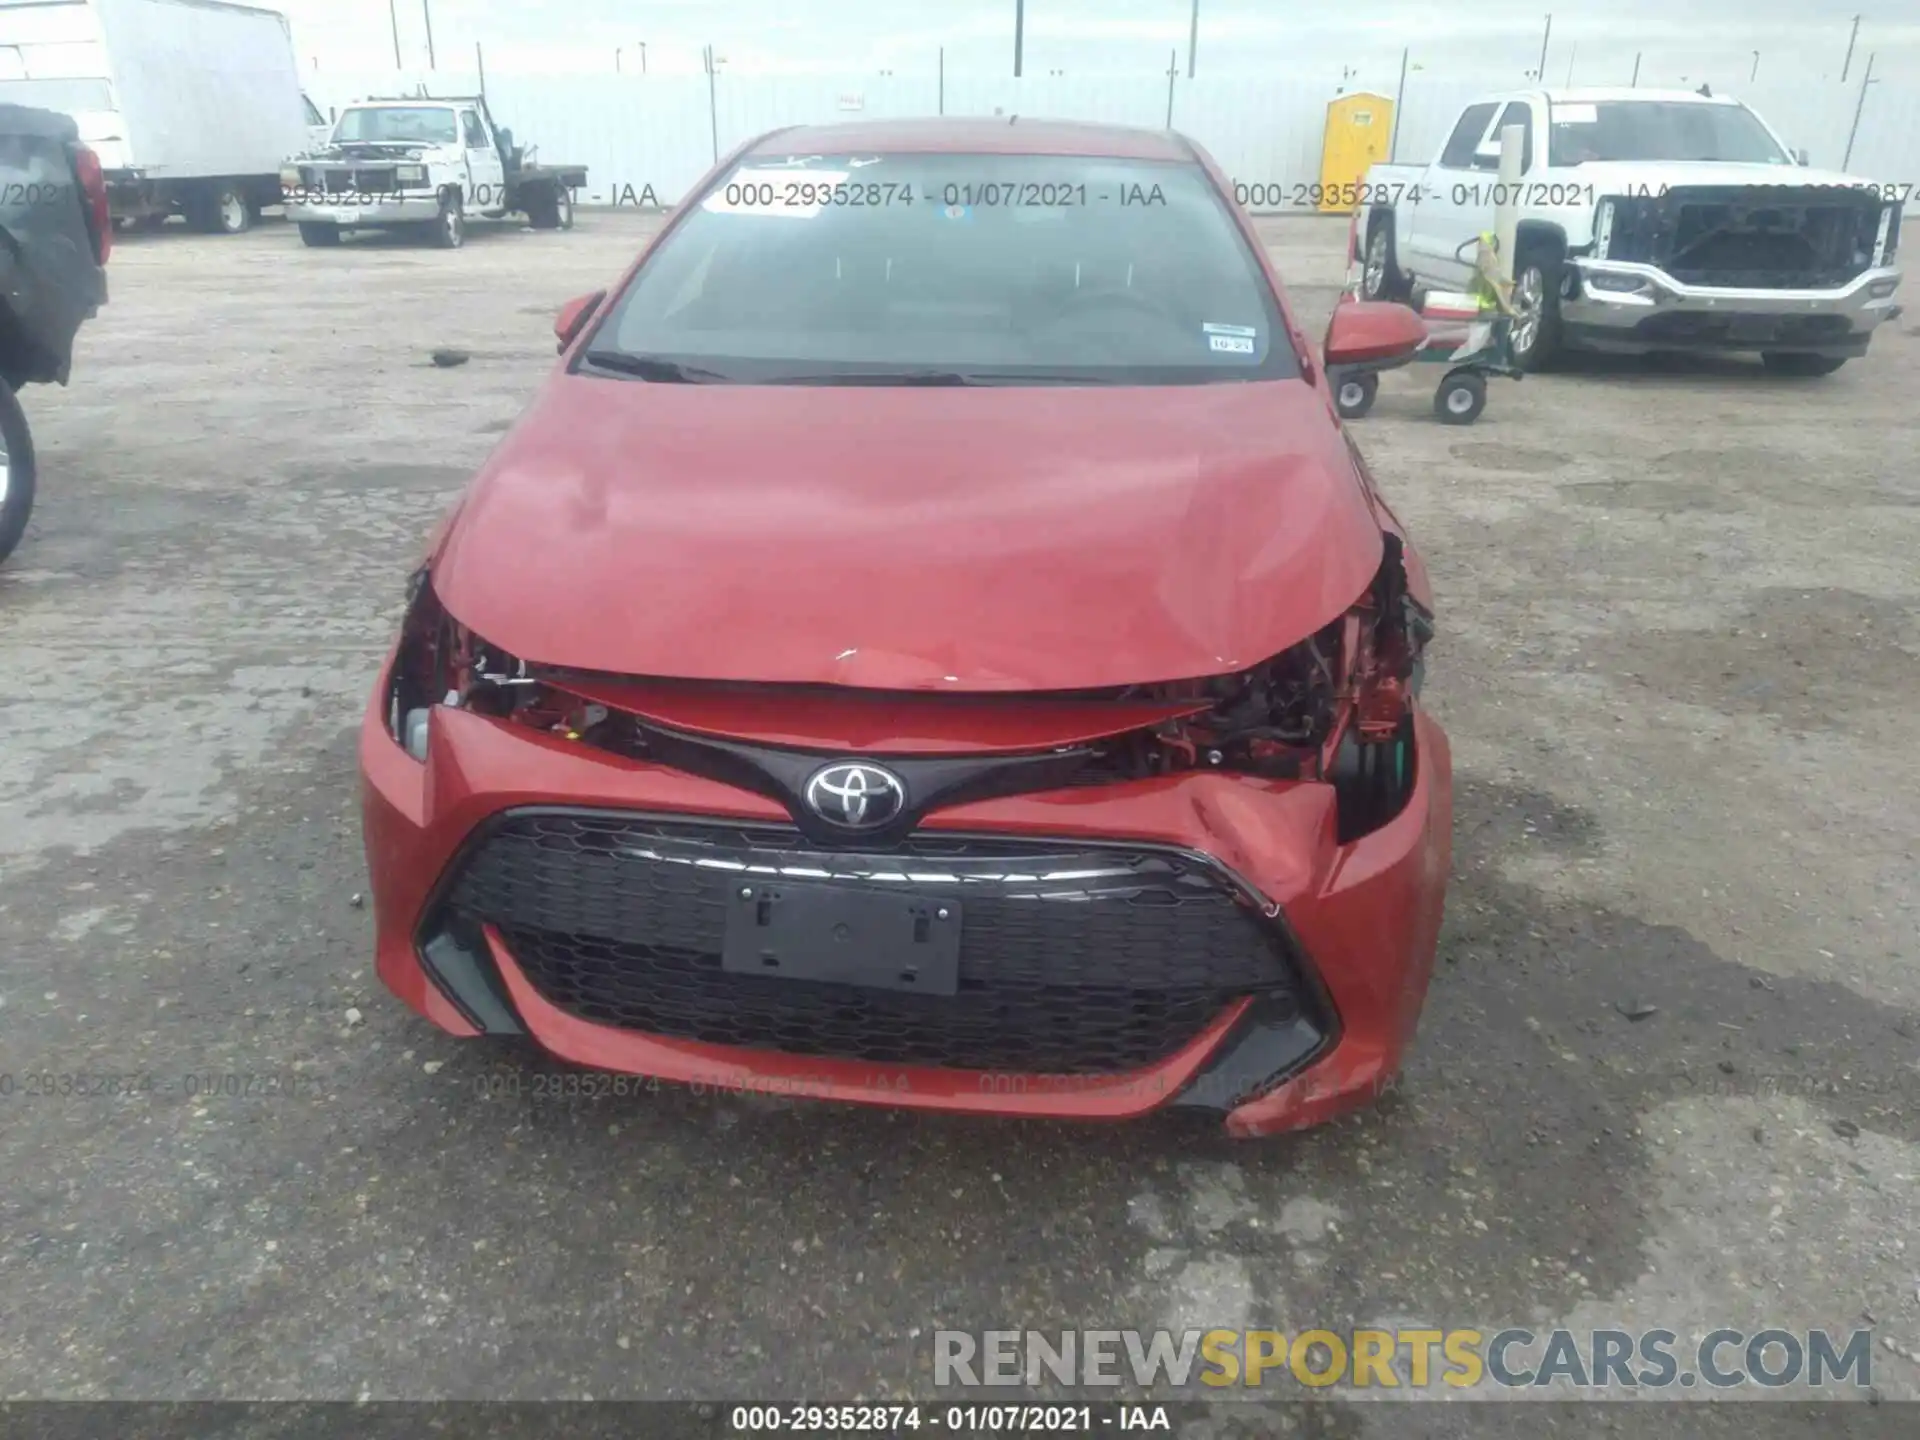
{"type": "Point", "coordinates": [1314, 1001]}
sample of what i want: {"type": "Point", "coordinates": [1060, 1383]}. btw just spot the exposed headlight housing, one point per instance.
{"type": "Point", "coordinates": [1602, 229]}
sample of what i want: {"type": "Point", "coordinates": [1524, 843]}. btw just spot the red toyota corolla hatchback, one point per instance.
{"type": "Point", "coordinates": [929, 642]}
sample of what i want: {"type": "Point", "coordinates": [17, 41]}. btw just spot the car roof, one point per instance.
{"type": "Point", "coordinates": [1013, 135]}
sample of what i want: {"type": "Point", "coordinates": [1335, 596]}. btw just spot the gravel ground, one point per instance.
{"type": "Point", "coordinates": [1677, 657]}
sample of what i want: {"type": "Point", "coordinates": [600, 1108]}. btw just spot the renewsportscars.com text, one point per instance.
{"type": "Point", "coordinates": [1487, 1361]}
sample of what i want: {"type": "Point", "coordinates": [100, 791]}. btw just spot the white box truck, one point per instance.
{"type": "Point", "coordinates": [190, 104]}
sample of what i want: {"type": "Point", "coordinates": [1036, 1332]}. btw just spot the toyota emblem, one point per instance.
{"type": "Point", "coordinates": [856, 796]}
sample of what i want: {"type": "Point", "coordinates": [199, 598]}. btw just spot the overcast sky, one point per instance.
{"type": "Point", "coordinates": [1682, 40]}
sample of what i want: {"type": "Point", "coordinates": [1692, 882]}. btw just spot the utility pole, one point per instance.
{"type": "Point", "coordinates": [713, 104]}
{"type": "Point", "coordinates": [943, 80]}
{"type": "Point", "coordinates": [426, 10]}
{"type": "Point", "coordinates": [1848, 65]}
{"type": "Point", "coordinates": [1542, 71]}
{"type": "Point", "coordinates": [394, 16]}
{"type": "Point", "coordinates": [1755, 75]}
{"type": "Point", "coordinates": [1635, 82]}
{"type": "Point", "coordinates": [643, 57]}
{"type": "Point", "coordinates": [1173, 73]}
{"type": "Point", "coordinates": [1193, 37]}
{"type": "Point", "coordinates": [1400, 94]}
{"type": "Point", "coordinates": [480, 63]}
{"type": "Point", "coordinates": [1570, 59]}
{"type": "Point", "coordinates": [1865, 81]}
{"type": "Point", "coordinates": [1019, 33]}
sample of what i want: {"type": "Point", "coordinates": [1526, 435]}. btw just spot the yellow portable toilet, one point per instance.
{"type": "Point", "coordinates": [1359, 130]}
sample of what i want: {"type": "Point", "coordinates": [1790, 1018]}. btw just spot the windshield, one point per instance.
{"type": "Point", "coordinates": [400, 124]}
{"type": "Point", "coordinates": [955, 268]}
{"type": "Point", "coordinates": [1661, 130]}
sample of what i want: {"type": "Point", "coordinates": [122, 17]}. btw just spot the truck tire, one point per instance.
{"type": "Point", "coordinates": [1380, 277]}
{"type": "Point", "coordinates": [1536, 299]}
{"type": "Point", "coordinates": [450, 229]}
{"type": "Point", "coordinates": [543, 207]}
{"type": "Point", "coordinates": [221, 208]}
{"type": "Point", "coordinates": [1799, 362]}
{"type": "Point", "coordinates": [17, 471]}
{"type": "Point", "coordinates": [318, 235]}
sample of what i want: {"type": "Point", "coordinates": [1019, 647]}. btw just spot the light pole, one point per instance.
{"type": "Point", "coordinates": [426, 10]}
{"type": "Point", "coordinates": [1193, 37]}
{"type": "Point", "coordinates": [1019, 33]}
{"type": "Point", "coordinates": [1756, 68]}
{"type": "Point", "coordinates": [393, 15]}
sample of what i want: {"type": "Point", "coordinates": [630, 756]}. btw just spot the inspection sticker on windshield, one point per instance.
{"type": "Point", "coordinates": [1231, 344]}
{"type": "Point", "coordinates": [1246, 331]}
{"type": "Point", "coordinates": [793, 193]}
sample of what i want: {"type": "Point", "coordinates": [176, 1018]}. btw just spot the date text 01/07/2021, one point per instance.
{"type": "Point", "coordinates": [967, 194]}
{"type": "Point", "coordinates": [968, 1419]}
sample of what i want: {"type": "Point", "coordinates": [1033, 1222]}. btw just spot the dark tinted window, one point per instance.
{"type": "Point", "coordinates": [1660, 130]}
{"type": "Point", "coordinates": [1518, 113]}
{"type": "Point", "coordinates": [1002, 268]}
{"type": "Point", "coordinates": [1466, 136]}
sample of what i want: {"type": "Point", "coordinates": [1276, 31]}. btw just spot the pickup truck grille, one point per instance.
{"type": "Point", "coordinates": [1771, 237]}
{"type": "Point", "coordinates": [347, 179]}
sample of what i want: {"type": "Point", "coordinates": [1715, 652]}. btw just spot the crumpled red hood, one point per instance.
{"type": "Point", "coordinates": [997, 538]}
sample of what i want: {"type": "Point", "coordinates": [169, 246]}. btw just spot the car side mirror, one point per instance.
{"type": "Point", "coordinates": [1373, 332]}
{"type": "Point", "coordinates": [1487, 157]}
{"type": "Point", "coordinates": [574, 316]}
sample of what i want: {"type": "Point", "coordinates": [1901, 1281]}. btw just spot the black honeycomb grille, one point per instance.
{"type": "Point", "coordinates": [1073, 958]}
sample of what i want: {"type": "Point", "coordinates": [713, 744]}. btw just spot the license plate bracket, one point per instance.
{"type": "Point", "coordinates": [793, 930]}
{"type": "Point", "coordinates": [1753, 327]}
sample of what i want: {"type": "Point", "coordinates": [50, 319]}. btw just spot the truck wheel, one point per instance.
{"type": "Point", "coordinates": [1353, 395]}
{"type": "Point", "coordinates": [1380, 270]}
{"type": "Point", "coordinates": [221, 209]}
{"type": "Point", "coordinates": [1536, 302]}
{"type": "Point", "coordinates": [543, 208]}
{"type": "Point", "coordinates": [16, 471]}
{"type": "Point", "coordinates": [319, 235]}
{"type": "Point", "coordinates": [1799, 362]}
{"type": "Point", "coordinates": [450, 230]}
{"type": "Point", "coordinates": [1460, 398]}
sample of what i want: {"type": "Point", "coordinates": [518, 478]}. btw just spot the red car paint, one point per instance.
{"type": "Point", "coordinates": [1197, 534]}
{"type": "Point", "coordinates": [687, 544]}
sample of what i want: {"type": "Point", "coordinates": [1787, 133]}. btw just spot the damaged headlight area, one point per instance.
{"type": "Point", "coordinates": [1336, 708]}
{"type": "Point", "coordinates": [439, 662]}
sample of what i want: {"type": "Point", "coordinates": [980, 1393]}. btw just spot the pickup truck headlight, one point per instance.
{"type": "Point", "coordinates": [410, 174]}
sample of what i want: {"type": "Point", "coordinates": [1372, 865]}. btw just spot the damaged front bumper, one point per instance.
{"type": "Point", "coordinates": [555, 938]}
{"type": "Point", "coordinates": [397, 209]}
{"type": "Point", "coordinates": [1630, 306]}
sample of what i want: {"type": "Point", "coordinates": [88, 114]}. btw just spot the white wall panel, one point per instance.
{"type": "Point", "coordinates": [632, 131]}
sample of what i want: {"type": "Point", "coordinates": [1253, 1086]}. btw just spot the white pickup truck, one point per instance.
{"type": "Point", "coordinates": [421, 163]}
{"type": "Point", "coordinates": [1648, 220]}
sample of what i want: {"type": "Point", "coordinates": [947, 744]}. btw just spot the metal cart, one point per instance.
{"type": "Point", "coordinates": [1470, 332]}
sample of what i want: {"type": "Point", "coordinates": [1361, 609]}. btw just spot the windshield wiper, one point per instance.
{"type": "Point", "coordinates": [654, 367]}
